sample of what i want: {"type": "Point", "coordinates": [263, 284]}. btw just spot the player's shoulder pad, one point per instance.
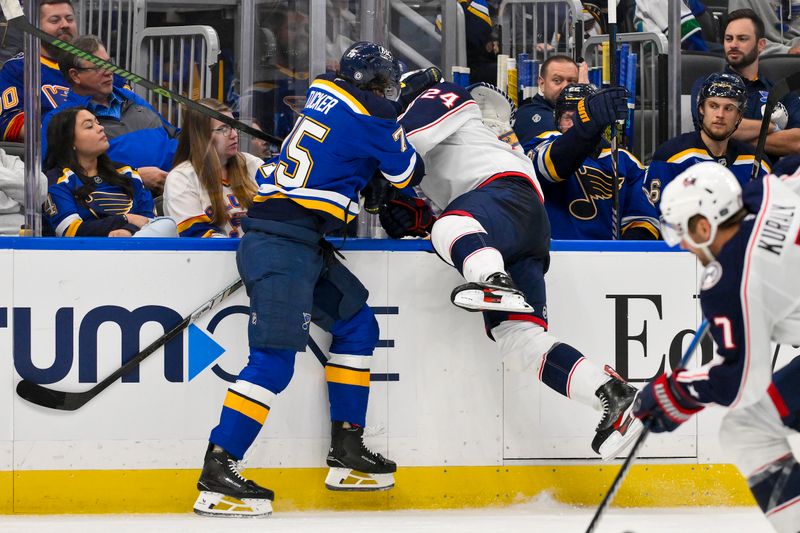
{"type": "Point", "coordinates": [433, 104]}
{"type": "Point", "coordinates": [374, 105]}
{"type": "Point", "coordinates": [676, 145]}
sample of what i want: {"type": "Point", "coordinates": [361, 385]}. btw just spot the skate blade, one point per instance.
{"type": "Point", "coordinates": [621, 437]}
{"type": "Point", "coordinates": [219, 505]}
{"type": "Point", "coordinates": [483, 299]}
{"type": "Point", "coordinates": [347, 479]}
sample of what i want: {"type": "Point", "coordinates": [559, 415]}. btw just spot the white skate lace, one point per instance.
{"type": "Point", "coordinates": [234, 466]}
{"type": "Point", "coordinates": [606, 411]}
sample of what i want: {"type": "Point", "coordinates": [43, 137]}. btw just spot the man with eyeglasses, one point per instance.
{"type": "Point", "coordinates": [138, 135]}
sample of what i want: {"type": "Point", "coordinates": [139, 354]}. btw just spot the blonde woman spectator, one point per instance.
{"type": "Point", "coordinates": [12, 193]}
{"type": "Point", "coordinates": [212, 183]}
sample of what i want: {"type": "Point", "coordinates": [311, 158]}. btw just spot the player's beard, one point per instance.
{"type": "Point", "coordinates": [53, 51]}
{"type": "Point", "coordinates": [744, 61]}
{"type": "Point", "coordinates": [717, 137]}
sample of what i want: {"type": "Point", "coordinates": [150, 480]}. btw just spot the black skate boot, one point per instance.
{"type": "Point", "coordinates": [224, 492]}
{"type": "Point", "coordinates": [497, 293]}
{"type": "Point", "coordinates": [618, 427]}
{"type": "Point", "coordinates": [353, 466]}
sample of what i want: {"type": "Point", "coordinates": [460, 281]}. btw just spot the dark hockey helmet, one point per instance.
{"type": "Point", "coordinates": [570, 96]}
{"type": "Point", "coordinates": [725, 85]}
{"type": "Point", "coordinates": [371, 66]}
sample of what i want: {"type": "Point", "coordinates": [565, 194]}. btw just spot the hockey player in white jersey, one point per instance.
{"type": "Point", "coordinates": [749, 242]}
{"type": "Point", "coordinates": [494, 230]}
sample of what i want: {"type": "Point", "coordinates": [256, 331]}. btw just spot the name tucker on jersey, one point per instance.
{"type": "Point", "coordinates": [776, 226]}
{"type": "Point", "coordinates": [321, 102]}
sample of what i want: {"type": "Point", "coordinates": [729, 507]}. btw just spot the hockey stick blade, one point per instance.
{"type": "Point", "coordinates": [787, 85]}
{"type": "Point", "coordinates": [22, 23]}
{"type": "Point", "coordinates": [628, 462]}
{"type": "Point", "coordinates": [71, 401]}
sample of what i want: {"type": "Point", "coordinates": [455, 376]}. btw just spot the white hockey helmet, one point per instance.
{"type": "Point", "coordinates": [497, 109]}
{"type": "Point", "coordinates": [708, 189]}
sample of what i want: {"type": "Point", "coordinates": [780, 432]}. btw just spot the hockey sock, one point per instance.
{"type": "Point", "coordinates": [568, 372]}
{"type": "Point", "coordinates": [776, 488]}
{"type": "Point", "coordinates": [247, 403]}
{"type": "Point", "coordinates": [348, 369]}
{"type": "Point", "coordinates": [462, 241]}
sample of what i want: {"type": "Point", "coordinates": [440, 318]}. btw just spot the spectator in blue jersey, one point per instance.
{"type": "Point", "coordinates": [56, 18]}
{"type": "Point", "coordinates": [720, 107]}
{"type": "Point", "coordinates": [138, 135]}
{"type": "Point", "coordinates": [212, 184]}
{"type": "Point", "coordinates": [574, 166]}
{"type": "Point", "coordinates": [535, 117]}
{"type": "Point", "coordinates": [89, 195]}
{"type": "Point", "coordinates": [347, 131]}
{"type": "Point", "coordinates": [743, 42]}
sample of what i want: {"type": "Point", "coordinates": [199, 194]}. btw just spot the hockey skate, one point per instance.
{"type": "Point", "coordinates": [497, 293]}
{"type": "Point", "coordinates": [353, 467]}
{"type": "Point", "coordinates": [618, 428]}
{"type": "Point", "coordinates": [224, 492]}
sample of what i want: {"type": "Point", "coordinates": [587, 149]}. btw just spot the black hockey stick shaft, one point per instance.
{"type": "Point", "coordinates": [628, 462]}
{"type": "Point", "coordinates": [776, 94]}
{"type": "Point", "coordinates": [23, 24]}
{"type": "Point", "coordinates": [612, 67]}
{"type": "Point", "coordinates": [71, 401]}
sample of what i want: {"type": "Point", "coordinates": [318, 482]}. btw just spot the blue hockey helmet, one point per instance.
{"type": "Point", "coordinates": [371, 66]}
{"type": "Point", "coordinates": [725, 85]}
{"type": "Point", "coordinates": [570, 96]}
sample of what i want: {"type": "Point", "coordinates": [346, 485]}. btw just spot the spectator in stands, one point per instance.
{"type": "Point", "coordinates": [536, 117]}
{"type": "Point", "coordinates": [10, 41]}
{"type": "Point", "coordinates": [212, 184]}
{"type": "Point", "coordinates": [743, 42]}
{"type": "Point", "coordinates": [89, 195]}
{"type": "Point", "coordinates": [12, 193]}
{"type": "Point", "coordinates": [139, 136]}
{"type": "Point", "coordinates": [574, 166]}
{"type": "Point", "coordinates": [259, 147]}
{"type": "Point", "coordinates": [720, 105]}
{"type": "Point", "coordinates": [653, 16]}
{"type": "Point", "coordinates": [781, 23]}
{"type": "Point", "coordinates": [482, 42]}
{"type": "Point", "coordinates": [57, 18]}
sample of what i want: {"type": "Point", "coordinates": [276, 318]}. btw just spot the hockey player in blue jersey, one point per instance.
{"type": "Point", "coordinates": [720, 107]}
{"type": "Point", "coordinates": [575, 168]}
{"type": "Point", "coordinates": [494, 230]}
{"type": "Point", "coordinates": [346, 132]}
{"type": "Point", "coordinates": [748, 240]}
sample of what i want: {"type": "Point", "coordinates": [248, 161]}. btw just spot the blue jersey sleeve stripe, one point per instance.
{"type": "Point", "coordinates": [402, 179]}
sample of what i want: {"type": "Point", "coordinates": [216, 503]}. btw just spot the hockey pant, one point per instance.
{"type": "Point", "coordinates": [757, 438]}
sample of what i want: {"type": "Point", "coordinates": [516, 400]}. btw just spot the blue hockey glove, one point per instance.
{"type": "Point", "coordinates": [599, 110]}
{"type": "Point", "coordinates": [665, 403]}
{"type": "Point", "coordinates": [403, 216]}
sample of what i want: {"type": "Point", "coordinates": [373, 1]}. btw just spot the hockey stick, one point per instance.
{"type": "Point", "coordinates": [14, 15]}
{"type": "Point", "coordinates": [611, 11]}
{"type": "Point", "coordinates": [70, 401]}
{"type": "Point", "coordinates": [626, 465]}
{"type": "Point", "coordinates": [789, 84]}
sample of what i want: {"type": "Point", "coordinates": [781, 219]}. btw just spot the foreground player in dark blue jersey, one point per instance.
{"type": "Point", "coordinates": [345, 134]}
{"type": "Point", "coordinates": [748, 240]}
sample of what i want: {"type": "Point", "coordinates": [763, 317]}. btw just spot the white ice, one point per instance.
{"type": "Point", "coordinates": [528, 518]}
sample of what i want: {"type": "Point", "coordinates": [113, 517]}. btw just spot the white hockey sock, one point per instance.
{"type": "Point", "coordinates": [586, 379]}
{"type": "Point", "coordinates": [482, 264]}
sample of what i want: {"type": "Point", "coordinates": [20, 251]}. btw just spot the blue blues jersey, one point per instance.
{"type": "Point", "coordinates": [534, 119]}
{"type": "Point", "coordinates": [751, 297]}
{"type": "Point", "coordinates": [683, 151]}
{"type": "Point", "coordinates": [343, 136]}
{"type": "Point", "coordinates": [101, 212]}
{"type": "Point", "coordinates": [578, 190]}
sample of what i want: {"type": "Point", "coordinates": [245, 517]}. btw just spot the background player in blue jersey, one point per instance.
{"type": "Point", "coordinates": [749, 242]}
{"type": "Point", "coordinates": [575, 168]}
{"type": "Point", "coordinates": [346, 132]}
{"type": "Point", "coordinates": [720, 108]}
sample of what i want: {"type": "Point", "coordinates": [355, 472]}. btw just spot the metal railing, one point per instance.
{"type": "Point", "coordinates": [650, 113]}
{"type": "Point", "coordinates": [115, 22]}
{"type": "Point", "coordinates": [179, 58]}
{"type": "Point", "coordinates": [540, 28]}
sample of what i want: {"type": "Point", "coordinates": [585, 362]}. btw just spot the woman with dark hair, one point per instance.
{"type": "Point", "coordinates": [212, 183]}
{"type": "Point", "coordinates": [89, 195]}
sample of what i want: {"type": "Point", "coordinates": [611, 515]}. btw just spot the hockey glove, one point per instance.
{"type": "Point", "coordinates": [600, 110]}
{"type": "Point", "coordinates": [403, 216]}
{"type": "Point", "coordinates": [375, 193]}
{"type": "Point", "coordinates": [416, 82]}
{"type": "Point", "coordinates": [665, 403]}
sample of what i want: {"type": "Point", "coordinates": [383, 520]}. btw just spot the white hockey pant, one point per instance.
{"type": "Point", "coordinates": [756, 438]}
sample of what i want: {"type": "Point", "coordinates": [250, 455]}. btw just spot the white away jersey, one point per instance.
{"type": "Point", "coordinates": [446, 116]}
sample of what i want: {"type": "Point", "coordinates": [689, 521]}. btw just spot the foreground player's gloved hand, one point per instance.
{"type": "Point", "coordinates": [601, 109]}
{"type": "Point", "coordinates": [375, 193]}
{"type": "Point", "coordinates": [665, 403]}
{"type": "Point", "coordinates": [413, 84]}
{"type": "Point", "coordinates": [403, 216]}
